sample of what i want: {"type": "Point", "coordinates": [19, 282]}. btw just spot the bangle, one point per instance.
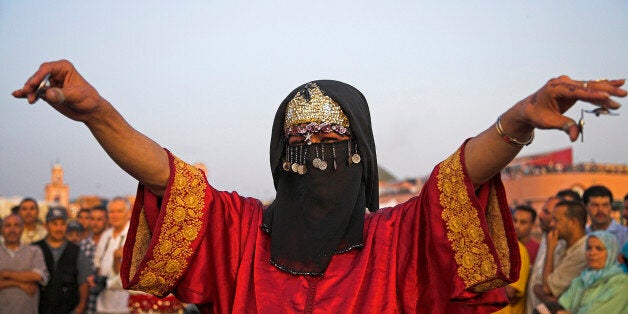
{"type": "Point", "coordinates": [508, 139]}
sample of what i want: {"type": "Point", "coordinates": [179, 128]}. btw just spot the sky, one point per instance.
{"type": "Point", "coordinates": [204, 78]}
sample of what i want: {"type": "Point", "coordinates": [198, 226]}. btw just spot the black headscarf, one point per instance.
{"type": "Point", "coordinates": [321, 213]}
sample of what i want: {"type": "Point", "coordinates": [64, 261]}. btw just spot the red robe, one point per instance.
{"type": "Point", "coordinates": [443, 251]}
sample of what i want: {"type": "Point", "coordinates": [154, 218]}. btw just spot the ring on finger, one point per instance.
{"type": "Point", "coordinates": [61, 99]}
{"type": "Point", "coordinates": [585, 84]}
{"type": "Point", "coordinates": [567, 125]}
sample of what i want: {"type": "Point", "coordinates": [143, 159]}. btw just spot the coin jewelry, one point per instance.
{"type": "Point", "coordinates": [295, 164]}
{"type": "Point", "coordinates": [317, 161]}
{"type": "Point", "coordinates": [355, 158]}
{"type": "Point", "coordinates": [286, 162]}
{"type": "Point", "coordinates": [302, 169]}
{"type": "Point", "coordinates": [333, 151]}
{"type": "Point", "coordinates": [323, 164]}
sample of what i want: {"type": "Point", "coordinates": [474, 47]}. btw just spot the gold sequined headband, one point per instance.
{"type": "Point", "coordinates": [312, 107]}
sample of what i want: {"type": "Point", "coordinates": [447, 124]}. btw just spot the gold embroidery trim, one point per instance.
{"type": "Point", "coordinates": [181, 226]}
{"type": "Point", "coordinates": [142, 241]}
{"type": "Point", "coordinates": [475, 263]}
{"type": "Point", "coordinates": [497, 231]}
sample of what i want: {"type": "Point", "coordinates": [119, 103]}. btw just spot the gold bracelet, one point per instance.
{"type": "Point", "coordinates": [508, 139]}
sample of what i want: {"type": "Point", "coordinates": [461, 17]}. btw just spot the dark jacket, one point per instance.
{"type": "Point", "coordinates": [61, 295]}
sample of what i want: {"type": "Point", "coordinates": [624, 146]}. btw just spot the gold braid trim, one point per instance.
{"type": "Point", "coordinates": [142, 241]}
{"type": "Point", "coordinates": [497, 231]}
{"type": "Point", "coordinates": [180, 227]}
{"type": "Point", "coordinates": [475, 263]}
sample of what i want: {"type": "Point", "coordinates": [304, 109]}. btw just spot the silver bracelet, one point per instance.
{"type": "Point", "coordinates": [508, 139]}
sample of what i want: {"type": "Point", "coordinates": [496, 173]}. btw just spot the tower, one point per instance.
{"type": "Point", "coordinates": [56, 190]}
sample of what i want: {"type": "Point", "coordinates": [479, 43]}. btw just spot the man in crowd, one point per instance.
{"type": "Point", "coordinates": [536, 277]}
{"type": "Point", "coordinates": [68, 267]}
{"type": "Point", "coordinates": [75, 232]}
{"type": "Point", "coordinates": [22, 268]}
{"type": "Point", "coordinates": [33, 228]}
{"type": "Point", "coordinates": [569, 195]}
{"type": "Point", "coordinates": [83, 218]}
{"type": "Point", "coordinates": [568, 223]}
{"type": "Point", "coordinates": [599, 202]}
{"type": "Point", "coordinates": [108, 258]}
{"type": "Point", "coordinates": [524, 217]}
{"type": "Point", "coordinates": [98, 223]}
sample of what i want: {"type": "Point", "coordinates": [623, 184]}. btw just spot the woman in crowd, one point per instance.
{"type": "Point", "coordinates": [602, 286]}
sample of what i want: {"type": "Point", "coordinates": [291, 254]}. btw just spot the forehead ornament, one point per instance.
{"type": "Point", "coordinates": [311, 111]}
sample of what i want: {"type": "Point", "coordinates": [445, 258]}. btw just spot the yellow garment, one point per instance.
{"type": "Point", "coordinates": [520, 285]}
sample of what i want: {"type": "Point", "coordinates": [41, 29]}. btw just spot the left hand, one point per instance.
{"type": "Point", "coordinates": [545, 108]}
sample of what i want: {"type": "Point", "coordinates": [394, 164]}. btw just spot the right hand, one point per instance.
{"type": "Point", "coordinates": [69, 92]}
{"type": "Point", "coordinates": [552, 240]}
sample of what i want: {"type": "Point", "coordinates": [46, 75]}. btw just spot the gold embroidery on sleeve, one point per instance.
{"type": "Point", "coordinates": [181, 225]}
{"type": "Point", "coordinates": [475, 263]}
{"type": "Point", "coordinates": [497, 231]}
{"type": "Point", "coordinates": [142, 241]}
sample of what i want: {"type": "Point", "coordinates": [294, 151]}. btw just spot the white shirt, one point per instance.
{"type": "Point", "coordinates": [113, 299]}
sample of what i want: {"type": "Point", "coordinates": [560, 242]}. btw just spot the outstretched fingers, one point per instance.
{"type": "Point", "coordinates": [595, 92]}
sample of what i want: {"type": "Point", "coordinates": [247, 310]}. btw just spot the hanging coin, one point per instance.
{"type": "Point", "coordinates": [301, 169]}
{"type": "Point", "coordinates": [295, 167]}
{"type": "Point", "coordinates": [356, 158]}
{"type": "Point", "coordinates": [322, 165]}
{"type": "Point", "coordinates": [286, 166]}
{"type": "Point", "coordinates": [316, 162]}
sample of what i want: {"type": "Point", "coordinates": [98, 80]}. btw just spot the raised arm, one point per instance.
{"type": "Point", "coordinates": [74, 97]}
{"type": "Point", "coordinates": [489, 152]}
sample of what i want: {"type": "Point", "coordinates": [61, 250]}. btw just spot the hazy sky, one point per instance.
{"type": "Point", "coordinates": [204, 78]}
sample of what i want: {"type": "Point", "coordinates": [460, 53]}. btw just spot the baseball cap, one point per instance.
{"type": "Point", "coordinates": [75, 226]}
{"type": "Point", "coordinates": [56, 213]}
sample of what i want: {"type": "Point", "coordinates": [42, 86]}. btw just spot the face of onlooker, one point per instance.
{"type": "Point", "coordinates": [74, 236]}
{"type": "Point", "coordinates": [624, 212]}
{"type": "Point", "coordinates": [57, 229]}
{"type": "Point", "coordinates": [119, 213]}
{"type": "Point", "coordinates": [561, 223]}
{"type": "Point", "coordinates": [12, 230]}
{"type": "Point", "coordinates": [599, 209]}
{"type": "Point", "coordinates": [98, 221]}
{"type": "Point", "coordinates": [545, 215]}
{"type": "Point", "coordinates": [29, 212]}
{"type": "Point", "coordinates": [523, 224]}
{"type": "Point", "coordinates": [83, 219]}
{"type": "Point", "coordinates": [595, 253]}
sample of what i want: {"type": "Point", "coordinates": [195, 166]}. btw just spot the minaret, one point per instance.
{"type": "Point", "coordinates": [56, 190]}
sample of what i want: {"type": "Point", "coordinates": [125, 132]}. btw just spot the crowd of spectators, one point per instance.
{"type": "Point", "coordinates": [67, 265]}
{"type": "Point", "coordinates": [64, 265]}
{"type": "Point", "coordinates": [579, 267]}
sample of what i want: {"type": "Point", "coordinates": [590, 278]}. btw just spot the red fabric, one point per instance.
{"type": "Point", "coordinates": [406, 266]}
{"type": "Point", "coordinates": [533, 247]}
